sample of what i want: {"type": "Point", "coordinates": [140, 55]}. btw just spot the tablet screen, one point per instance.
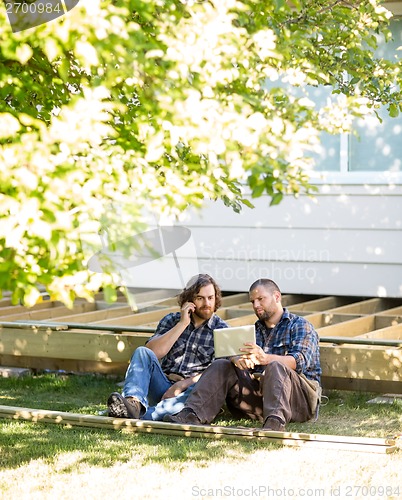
{"type": "Point", "coordinates": [228, 341]}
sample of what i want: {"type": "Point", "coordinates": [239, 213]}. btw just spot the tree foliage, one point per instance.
{"type": "Point", "coordinates": [125, 106]}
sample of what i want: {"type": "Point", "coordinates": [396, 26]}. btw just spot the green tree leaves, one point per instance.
{"type": "Point", "coordinates": [158, 105]}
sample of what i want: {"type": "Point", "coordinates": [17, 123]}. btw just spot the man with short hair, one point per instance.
{"type": "Point", "coordinates": [276, 380]}
{"type": "Point", "coordinates": [183, 342]}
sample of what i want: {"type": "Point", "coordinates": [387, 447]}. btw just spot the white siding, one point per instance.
{"type": "Point", "coordinates": [348, 241]}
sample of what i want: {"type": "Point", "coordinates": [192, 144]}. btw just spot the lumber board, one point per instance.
{"type": "Point", "coordinates": [349, 328]}
{"type": "Point", "coordinates": [138, 318]}
{"type": "Point", "coordinates": [290, 299]}
{"type": "Point", "coordinates": [324, 319]}
{"type": "Point", "coordinates": [322, 304]}
{"type": "Point", "coordinates": [56, 311]}
{"type": "Point", "coordinates": [372, 362]}
{"type": "Point", "coordinates": [248, 319]}
{"type": "Point", "coordinates": [98, 315]}
{"type": "Point", "coordinates": [362, 385]}
{"type": "Point", "coordinates": [390, 332]}
{"type": "Point", "coordinates": [395, 311]}
{"type": "Point", "coordinates": [387, 320]}
{"type": "Point", "coordinates": [78, 345]}
{"type": "Point", "coordinates": [228, 313]}
{"type": "Point", "coordinates": [352, 443]}
{"type": "Point", "coordinates": [8, 310]}
{"type": "Point", "coordinates": [369, 306]}
{"type": "Point", "coordinates": [67, 365]}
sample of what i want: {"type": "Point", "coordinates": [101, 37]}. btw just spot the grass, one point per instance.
{"type": "Point", "coordinates": [57, 461]}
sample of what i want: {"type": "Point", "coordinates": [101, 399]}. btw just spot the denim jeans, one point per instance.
{"type": "Point", "coordinates": [146, 381]}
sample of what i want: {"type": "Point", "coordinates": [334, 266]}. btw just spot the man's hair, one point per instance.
{"type": "Point", "coordinates": [266, 283]}
{"type": "Point", "coordinates": [194, 286]}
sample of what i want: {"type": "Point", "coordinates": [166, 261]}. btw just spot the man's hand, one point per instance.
{"type": "Point", "coordinates": [186, 310]}
{"type": "Point", "coordinates": [175, 389]}
{"type": "Point", "coordinates": [253, 355]}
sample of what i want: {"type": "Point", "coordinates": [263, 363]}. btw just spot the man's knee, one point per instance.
{"type": "Point", "coordinates": [222, 365]}
{"type": "Point", "coordinates": [142, 352]}
{"type": "Point", "coordinates": [276, 369]}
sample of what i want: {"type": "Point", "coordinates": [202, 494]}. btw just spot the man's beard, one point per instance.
{"type": "Point", "coordinates": [204, 313]}
{"type": "Point", "coordinates": [264, 315]}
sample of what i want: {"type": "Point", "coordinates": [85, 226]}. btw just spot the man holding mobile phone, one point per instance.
{"type": "Point", "coordinates": [275, 380]}
{"type": "Point", "coordinates": [162, 373]}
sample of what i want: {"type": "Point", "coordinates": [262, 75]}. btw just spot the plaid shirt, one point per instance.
{"type": "Point", "coordinates": [292, 336]}
{"type": "Point", "coordinates": [193, 351]}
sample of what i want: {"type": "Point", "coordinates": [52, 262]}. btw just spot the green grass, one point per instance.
{"type": "Point", "coordinates": [63, 462]}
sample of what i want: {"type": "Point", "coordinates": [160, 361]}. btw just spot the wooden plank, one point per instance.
{"type": "Point", "coordinates": [235, 299]}
{"type": "Point", "coordinates": [68, 365]}
{"type": "Point", "coordinates": [249, 319]}
{"type": "Point", "coordinates": [376, 445]}
{"type": "Point", "coordinates": [390, 333]}
{"type": "Point", "coordinates": [394, 311]}
{"type": "Point", "coordinates": [323, 304]}
{"type": "Point", "coordinates": [53, 312]}
{"type": "Point", "coordinates": [369, 363]}
{"type": "Point", "coordinates": [18, 309]}
{"type": "Point", "coordinates": [138, 318]}
{"type": "Point", "coordinates": [370, 306]}
{"type": "Point", "coordinates": [349, 328]}
{"type": "Point", "coordinates": [98, 315]}
{"type": "Point", "coordinates": [77, 345]}
{"type": "Point", "coordinates": [321, 320]}
{"type": "Point", "coordinates": [383, 321]}
{"type": "Point", "coordinates": [362, 385]}
{"type": "Point", "coordinates": [230, 313]}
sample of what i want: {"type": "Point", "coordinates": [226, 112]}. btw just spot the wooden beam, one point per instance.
{"type": "Point", "coordinates": [248, 319]}
{"type": "Point", "coordinates": [390, 332]}
{"type": "Point", "coordinates": [68, 365]}
{"type": "Point", "coordinates": [321, 304]}
{"type": "Point", "coordinates": [323, 319]}
{"type": "Point", "coordinates": [52, 312]}
{"type": "Point", "coordinates": [77, 345]}
{"type": "Point", "coordinates": [362, 385]}
{"type": "Point", "coordinates": [369, 306]}
{"type": "Point", "coordinates": [352, 443]}
{"type": "Point", "coordinates": [395, 311]}
{"type": "Point", "coordinates": [370, 363]}
{"type": "Point", "coordinates": [98, 315]}
{"type": "Point", "coordinates": [138, 318]}
{"type": "Point", "coordinates": [349, 328]}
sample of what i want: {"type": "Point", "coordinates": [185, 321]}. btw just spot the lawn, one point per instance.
{"type": "Point", "coordinates": [53, 461]}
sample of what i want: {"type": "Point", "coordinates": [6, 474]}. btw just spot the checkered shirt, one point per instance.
{"type": "Point", "coordinates": [292, 336]}
{"type": "Point", "coordinates": [193, 351]}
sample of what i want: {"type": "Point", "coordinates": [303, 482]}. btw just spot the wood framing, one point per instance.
{"type": "Point", "coordinates": [350, 443]}
{"type": "Point", "coordinates": [364, 349]}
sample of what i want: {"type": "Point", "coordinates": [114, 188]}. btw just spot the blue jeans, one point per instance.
{"type": "Point", "coordinates": [146, 381]}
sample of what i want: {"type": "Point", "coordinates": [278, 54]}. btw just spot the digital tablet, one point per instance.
{"type": "Point", "coordinates": [228, 341]}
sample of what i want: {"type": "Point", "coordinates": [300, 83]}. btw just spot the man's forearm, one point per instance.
{"type": "Point", "coordinates": [162, 345]}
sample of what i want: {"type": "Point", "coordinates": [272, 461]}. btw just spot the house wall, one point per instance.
{"type": "Point", "coordinates": [345, 241]}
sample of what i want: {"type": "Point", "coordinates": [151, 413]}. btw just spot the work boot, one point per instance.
{"type": "Point", "coordinates": [121, 407]}
{"type": "Point", "coordinates": [185, 416]}
{"type": "Point", "coordinates": [273, 424]}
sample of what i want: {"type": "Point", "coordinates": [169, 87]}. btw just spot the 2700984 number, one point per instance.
{"type": "Point", "coordinates": [32, 8]}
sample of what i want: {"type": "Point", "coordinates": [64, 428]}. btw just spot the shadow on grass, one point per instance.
{"type": "Point", "coordinates": [22, 442]}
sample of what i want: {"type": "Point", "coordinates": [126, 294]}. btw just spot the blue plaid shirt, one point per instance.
{"type": "Point", "coordinates": [292, 336]}
{"type": "Point", "coordinates": [193, 351]}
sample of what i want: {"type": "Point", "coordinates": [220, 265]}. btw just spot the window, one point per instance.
{"type": "Point", "coordinates": [377, 146]}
